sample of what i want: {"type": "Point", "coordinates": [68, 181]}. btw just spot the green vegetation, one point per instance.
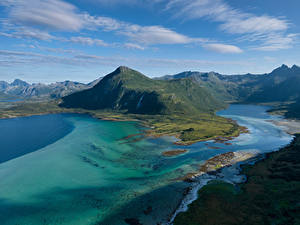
{"type": "Point", "coordinates": [271, 195]}
{"type": "Point", "coordinates": [191, 129]}
{"type": "Point", "coordinates": [31, 108]}
{"type": "Point", "coordinates": [131, 92]}
{"type": "Point", "coordinates": [281, 85]}
{"type": "Point", "coordinates": [293, 110]}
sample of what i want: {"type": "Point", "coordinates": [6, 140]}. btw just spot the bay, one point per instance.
{"type": "Point", "coordinates": [90, 174]}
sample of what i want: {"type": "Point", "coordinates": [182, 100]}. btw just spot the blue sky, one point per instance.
{"type": "Point", "coordinates": [56, 40]}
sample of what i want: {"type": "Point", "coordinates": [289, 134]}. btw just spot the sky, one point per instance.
{"type": "Point", "coordinates": [81, 40]}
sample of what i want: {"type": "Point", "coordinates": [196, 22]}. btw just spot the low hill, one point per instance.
{"type": "Point", "coordinates": [130, 91]}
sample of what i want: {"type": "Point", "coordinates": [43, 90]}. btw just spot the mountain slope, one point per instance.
{"type": "Point", "coordinates": [223, 87]}
{"type": "Point", "coordinates": [281, 85]}
{"type": "Point", "coordinates": [130, 91]}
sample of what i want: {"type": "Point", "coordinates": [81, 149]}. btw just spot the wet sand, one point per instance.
{"type": "Point", "coordinates": [290, 126]}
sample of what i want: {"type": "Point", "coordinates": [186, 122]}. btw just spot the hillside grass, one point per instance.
{"type": "Point", "coordinates": [191, 129]}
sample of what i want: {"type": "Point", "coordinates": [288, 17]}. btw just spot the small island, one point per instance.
{"type": "Point", "coordinates": [175, 152]}
{"type": "Point", "coordinates": [216, 163]}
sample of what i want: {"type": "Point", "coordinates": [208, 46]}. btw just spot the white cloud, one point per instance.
{"type": "Point", "coordinates": [133, 46]}
{"type": "Point", "coordinates": [58, 15]}
{"type": "Point", "coordinates": [6, 52]}
{"type": "Point", "coordinates": [150, 35]}
{"type": "Point", "coordinates": [114, 2]}
{"type": "Point", "coordinates": [222, 48]}
{"type": "Point", "coordinates": [125, 2]}
{"type": "Point", "coordinates": [17, 58]}
{"type": "Point", "coordinates": [232, 20]}
{"type": "Point", "coordinates": [277, 42]}
{"type": "Point", "coordinates": [36, 18]}
{"type": "Point", "coordinates": [147, 35]}
{"type": "Point", "coordinates": [88, 41]}
{"type": "Point", "coordinates": [106, 23]}
{"type": "Point", "coordinates": [235, 21]}
{"type": "Point", "coordinates": [52, 14]}
{"type": "Point", "coordinates": [29, 33]}
{"type": "Point", "coordinates": [254, 24]}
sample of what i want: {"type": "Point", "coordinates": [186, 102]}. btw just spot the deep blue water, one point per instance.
{"type": "Point", "coordinates": [11, 100]}
{"type": "Point", "coordinates": [20, 136]}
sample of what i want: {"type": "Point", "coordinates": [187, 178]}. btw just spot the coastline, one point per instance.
{"type": "Point", "coordinates": [229, 173]}
{"type": "Point", "coordinates": [270, 193]}
{"type": "Point", "coordinates": [291, 126]}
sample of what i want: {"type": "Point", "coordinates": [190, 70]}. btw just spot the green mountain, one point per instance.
{"type": "Point", "coordinates": [281, 85]}
{"type": "Point", "coordinates": [223, 90]}
{"type": "Point", "coordinates": [129, 91]}
{"type": "Point", "coordinates": [292, 110]}
{"type": "Point", "coordinates": [223, 87]}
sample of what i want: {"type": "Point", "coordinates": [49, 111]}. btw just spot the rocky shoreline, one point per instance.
{"type": "Point", "coordinates": [223, 167]}
{"type": "Point", "coordinates": [214, 165]}
{"type": "Point", "coordinates": [269, 193]}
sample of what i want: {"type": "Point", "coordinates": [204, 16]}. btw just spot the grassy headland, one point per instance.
{"type": "Point", "coordinates": [271, 194]}
{"type": "Point", "coordinates": [187, 128]}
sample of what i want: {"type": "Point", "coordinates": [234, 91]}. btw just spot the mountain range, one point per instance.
{"type": "Point", "coordinates": [22, 90]}
{"type": "Point", "coordinates": [281, 85]}
{"type": "Point", "coordinates": [129, 91]}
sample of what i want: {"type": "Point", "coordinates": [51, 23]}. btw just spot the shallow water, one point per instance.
{"type": "Point", "coordinates": [88, 174]}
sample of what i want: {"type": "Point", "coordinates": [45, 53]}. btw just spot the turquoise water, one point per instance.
{"type": "Point", "coordinates": [89, 174]}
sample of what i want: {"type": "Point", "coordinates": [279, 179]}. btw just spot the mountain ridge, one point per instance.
{"type": "Point", "coordinates": [128, 90]}
{"type": "Point", "coordinates": [281, 84]}
{"type": "Point", "coordinates": [21, 89]}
